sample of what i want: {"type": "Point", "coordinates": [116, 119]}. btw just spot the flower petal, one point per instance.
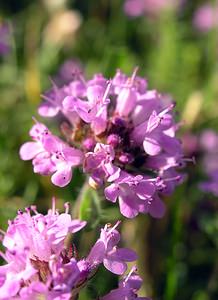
{"type": "Point", "coordinates": [128, 206]}
{"type": "Point", "coordinates": [77, 225]}
{"type": "Point", "coordinates": [126, 254]}
{"type": "Point", "coordinates": [157, 208]}
{"type": "Point", "coordinates": [97, 253]}
{"type": "Point", "coordinates": [48, 110]}
{"type": "Point", "coordinates": [73, 156]}
{"type": "Point", "coordinates": [151, 146]}
{"type": "Point", "coordinates": [62, 177]}
{"type": "Point", "coordinates": [112, 192]}
{"type": "Point", "coordinates": [29, 150]}
{"type": "Point", "coordinates": [115, 266]}
{"type": "Point", "coordinates": [52, 143]}
{"type": "Point", "coordinates": [145, 189]}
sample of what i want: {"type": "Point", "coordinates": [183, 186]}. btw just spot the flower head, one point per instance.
{"type": "Point", "coordinates": [40, 264]}
{"type": "Point", "coordinates": [42, 235]}
{"type": "Point", "coordinates": [33, 241]}
{"type": "Point", "coordinates": [122, 134]}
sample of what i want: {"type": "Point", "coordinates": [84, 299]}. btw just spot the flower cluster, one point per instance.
{"type": "Point", "coordinates": [39, 264]}
{"type": "Point", "coordinates": [119, 131]}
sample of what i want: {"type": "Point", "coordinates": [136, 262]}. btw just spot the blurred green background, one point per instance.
{"type": "Point", "coordinates": [177, 255]}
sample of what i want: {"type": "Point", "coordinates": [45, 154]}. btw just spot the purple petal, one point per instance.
{"type": "Point", "coordinates": [170, 144]}
{"type": "Point", "coordinates": [128, 204]}
{"type": "Point", "coordinates": [151, 146]}
{"type": "Point", "coordinates": [126, 254]}
{"type": "Point", "coordinates": [62, 177]}
{"type": "Point", "coordinates": [112, 192]}
{"type": "Point", "coordinates": [52, 143]}
{"type": "Point", "coordinates": [126, 101]}
{"type": "Point", "coordinates": [120, 293]}
{"type": "Point", "coordinates": [48, 110]}
{"type": "Point", "coordinates": [29, 150]}
{"type": "Point", "coordinates": [113, 240]}
{"type": "Point", "coordinates": [77, 88]}
{"type": "Point", "coordinates": [99, 125]}
{"type": "Point", "coordinates": [73, 156]}
{"type": "Point", "coordinates": [157, 208]}
{"type": "Point", "coordinates": [145, 189]}
{"type": "Point", "coordinates": [97, 253]}
{"type": "Point", "coordinates": [95, 93]}
{"type": "Point", "coordinates": [115, 266]}
{"type": "Point", "coordinates": [134, 282]}
{"type": "Point", "coordinates": [10, 288]}
{"type": "Point", "coordinates": [153, 122]}
{"type": "Point", "coordinates": [42, 164]}
{"type": "Point", "coordinates": [166, 121]}
{"type": "Point", "coordinates": [69, 103]}
{"type": "Point", "coordinates": [77, 225]}
{"type": "Point", "coordinates": [114, 172]}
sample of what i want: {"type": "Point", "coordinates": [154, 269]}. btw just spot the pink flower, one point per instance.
{"type": "Point", "coordinates": [206, 17]}
{"type": "Point", "coordinates": [99, 163]}
{"type": "Point", "coordinates": [32, 242]}
{"type": "Point", "coordinates": [39, 264]}
{"type": "Point", "coordinates": [112, 127]}
{"type": "Point", "coordinates": [94, 111]}
{"type": "Point", "coordinates": [51, 155]}
{"type": "Point", "coordinates": [42, 235]}
{"type": "Point", "coordinates": [135, 194]}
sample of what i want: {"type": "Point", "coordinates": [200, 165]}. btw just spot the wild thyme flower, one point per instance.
{"type": "Point", "coordinates": [121, 134]}
{"type": "Point", "coordinates": [51, 155]}
{"type": "Point", "coordinates": [106, 251]}
{"type": "Point", "coordinates": [127, 289]}
{"type": "Point", "coordinates": [31, 241]}
{"type": "Point", "coordinates": [38, 263]}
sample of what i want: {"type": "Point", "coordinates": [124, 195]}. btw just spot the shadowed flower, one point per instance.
{"type": "Point", "coordinates": [128, 288]}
